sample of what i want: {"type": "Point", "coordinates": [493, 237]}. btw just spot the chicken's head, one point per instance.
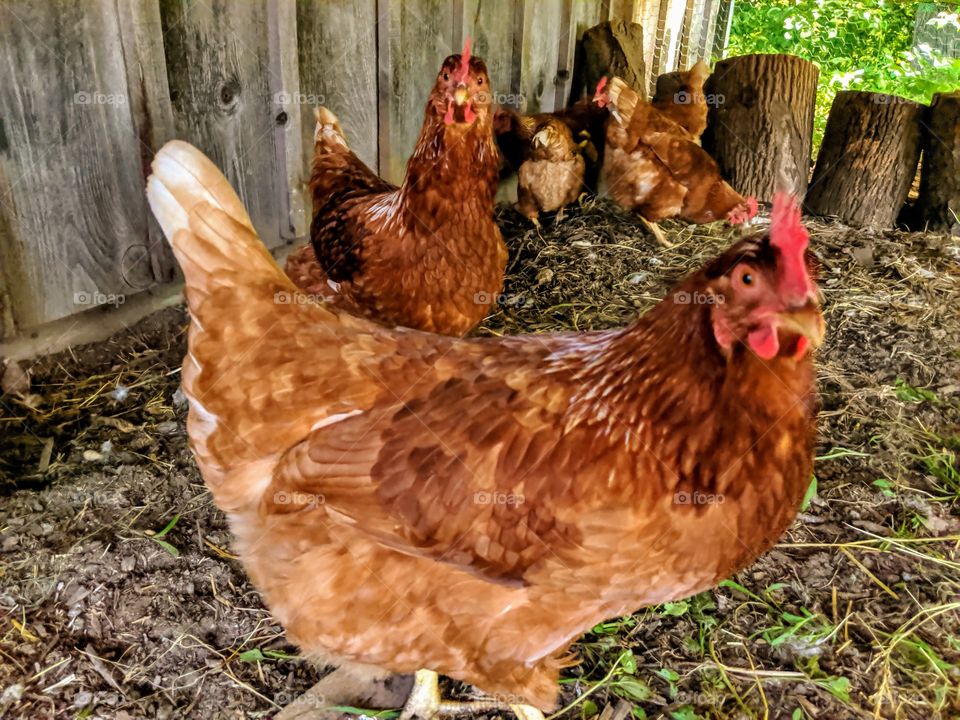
{"type": "Point", "coordinates": [763, 293]}
{"type": "Point", "coordinates": [600, 96]}
{"type": "Point", "coordinates": [744, 212]}
{"type": "Point", "coordinates": [461, 93]}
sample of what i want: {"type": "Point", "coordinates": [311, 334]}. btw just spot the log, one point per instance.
{"type": "Point", "coordinates": [867, 160]}
{"type": "Point", "coordinates": [760, 123]}
{"type": "Point", "coordinates": [610, 48]}
{"type": "Point", "coordinates": [939, 201]}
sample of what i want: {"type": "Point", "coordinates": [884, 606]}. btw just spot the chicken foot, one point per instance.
{"type": "Point", "coordinates": [657, 232]}
{"type": "Point", "coordinates": [425, 703]}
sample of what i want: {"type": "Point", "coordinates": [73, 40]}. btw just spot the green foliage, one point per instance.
{"type": "Point", "coordinates": [858, 44]}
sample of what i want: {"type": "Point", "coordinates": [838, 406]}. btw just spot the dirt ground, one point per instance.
{"type": "Point", "coordinates": [119, 597]}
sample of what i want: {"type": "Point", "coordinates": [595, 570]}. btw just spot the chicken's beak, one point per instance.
{"type": "Point", "coordinates": [461, 94]}
{"type": "Point", "coordinates": [806, 322]}
{"type": "Point", "coordinates": [540, 139]}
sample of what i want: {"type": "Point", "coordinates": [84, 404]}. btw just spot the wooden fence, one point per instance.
{"type": "Point", "coordinates": [93, 87]}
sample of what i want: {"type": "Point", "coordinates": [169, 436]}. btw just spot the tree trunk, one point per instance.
{"type": "Point", "coordinates": [867, 160]}
{"type": "Point", "coordinates": [610, 48]}
{"type": "Point", "coordinates": [760, 124]}
{"type": "Point", "coordinates": [939, 201]}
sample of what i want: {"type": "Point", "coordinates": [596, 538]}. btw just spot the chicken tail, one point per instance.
{"type": "Point", "coordinates": [328, 135]}
{"type": "Point", "coordinates": [207, 225]}
{"type": "Point", "coordinates": [623, 100]}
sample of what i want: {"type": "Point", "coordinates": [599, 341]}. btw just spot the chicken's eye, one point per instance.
{"type": "Point", "coordinates": [446, 76]}
{"type": "Point", "coordinates": [747, 279]}
{"type": "Point", "coordinates": [480, 81]}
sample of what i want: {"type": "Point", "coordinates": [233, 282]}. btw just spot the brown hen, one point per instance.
{"type": "Point", "coordinates": [427, 254]}
{"type": "Point", "coordinates": [552, 175]}
{"type": "Point", "coordinates": [653, 167]}
{"type": "Point", "coordinates": [407, 500]}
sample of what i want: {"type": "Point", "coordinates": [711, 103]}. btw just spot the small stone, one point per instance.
{"type": "Point", "coordinates": [92, 456]}
{"type": "Point", "coordinates": [82, 698]}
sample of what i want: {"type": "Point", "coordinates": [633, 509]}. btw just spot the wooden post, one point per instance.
{"type": "Point", "coordinates": [610, 48]}
{"type": "Point", "coordinates": [939, 201]}
{"type": "Point", "coordinates": [760, 123]}
{"type": "Point", "coordinates": [867, 160]}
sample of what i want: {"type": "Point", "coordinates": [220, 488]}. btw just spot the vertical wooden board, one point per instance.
{"type": "Point", "coordinates": [421, 36]}
{"type": "Point", "coordinates": [141, 35]}
{"type": "Point", "coordinates": [581, 16]}
{"type": "Point", "coordinates": [542, 28]}
{"type": "Point", "coordinates": [71, 174]}
{"type": "Point", "coordinates": [218, 69]}
{"type": "Point", "coordinates": [284, 79]}
{"type": "Point", "coordinates": [338, 69]}
{"type": "Point", "coordinates": [491, 25]}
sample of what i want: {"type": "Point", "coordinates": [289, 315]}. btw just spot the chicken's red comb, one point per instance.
{"type": "Point", "coordinates": [600, 85]}
{"type": "Point", "coordinates": [789, 237]}
{"type": "Point", "coordinates": [461, 74]}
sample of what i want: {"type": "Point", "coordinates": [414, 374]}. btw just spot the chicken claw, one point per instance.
{"type": "Point", "coordinates": [425, 703]}
{"type": "Point", "coordinates": [657, 232]}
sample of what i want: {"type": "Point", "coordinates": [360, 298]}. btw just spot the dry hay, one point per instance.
{"type": "Point", "coordinates": [853, 615]}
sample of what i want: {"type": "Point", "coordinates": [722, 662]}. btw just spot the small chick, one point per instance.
{"type": "Point", "coordinates": [552, 175]}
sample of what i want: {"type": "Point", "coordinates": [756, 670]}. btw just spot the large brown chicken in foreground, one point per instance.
{"type": "Point", "coordinates": [427, 254]}
{"type": "Point", "coordinates": [407, 500]}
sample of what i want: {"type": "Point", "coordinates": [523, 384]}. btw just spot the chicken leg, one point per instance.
{"type": "Point", "coordinates": [657, 232]}
{"type": "Point", "coordinates": [425, 703]}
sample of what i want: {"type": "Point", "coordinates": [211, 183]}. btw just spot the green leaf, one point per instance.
{"type": "Point", "coordinates": [907, 393]}
{"type": "Point", "coordinates": [885, 487]}
{"type": "Point", "coordinates": [839, 687]}
{"type": "Point", "coordinates": [675, 609]}
{"type": "Point", "coordinates": [809, 495]}
{"type": "Point", "coordinates": [631, 688]}
{"type": "Point", "coordinates": [169, 527]}
{"type": "Point", "coordinates": [669, 675]}
{"type": "Point", "coordinates": [166, 546]}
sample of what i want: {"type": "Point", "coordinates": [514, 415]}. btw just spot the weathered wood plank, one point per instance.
{"type": "Point", "coordinates": [284, 77]}
{"type": "Point", "coordinates": [220, 87]}
{"type": "Point", "coordinates": [491, 24]}
{"type": "Point", "coordinates": [149, 101]}
{"type": "Point", "coordinates": [542, 25]}
{"type": "Point", "coordinates": [338, 49]}
{"type": "Point", "coordinates": [71, 173]}
{"type": "Point", "coordinates": [421, 36]}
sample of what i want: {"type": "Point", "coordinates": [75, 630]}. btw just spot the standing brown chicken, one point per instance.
{"type": "Point", "coordinates": [408, 501]}
{"type": "Point", "coordinates": [427, 254]}
{"type": "Point", "coordinates": [552, 175]}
